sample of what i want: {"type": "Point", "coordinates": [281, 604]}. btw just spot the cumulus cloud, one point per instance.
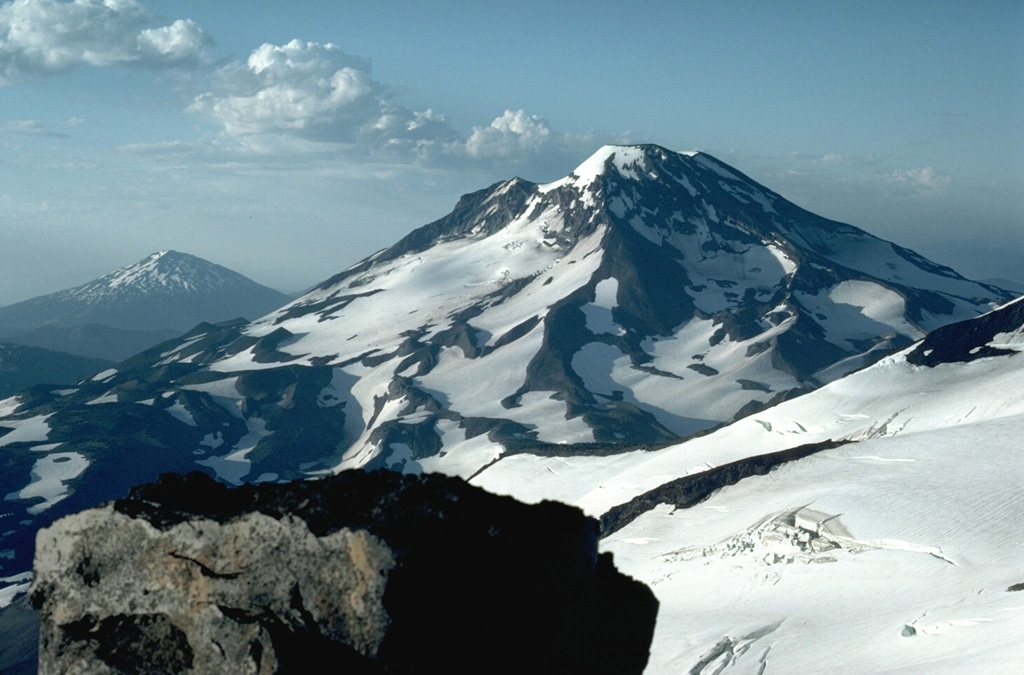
{"type": "Point", "coordinates": [308, 96]}
{"type": "Point", "coordinates": [46, 37]}
{"type": "Point", "coordinates": [315, 92]}
{"type": "Point", "coordinates": [513, 133]}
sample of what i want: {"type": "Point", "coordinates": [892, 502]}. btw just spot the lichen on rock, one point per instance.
{"type": "Point", "coordinates": [371, 572]}
{"type": "Point", "coordinates": [217, 590]}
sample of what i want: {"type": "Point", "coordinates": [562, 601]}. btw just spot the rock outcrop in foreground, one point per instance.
{"type": "Point", "coordinates": [378, 572]}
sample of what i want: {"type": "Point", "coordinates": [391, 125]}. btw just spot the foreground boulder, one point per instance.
{"type": "Point", "coordinates": [377, 572]}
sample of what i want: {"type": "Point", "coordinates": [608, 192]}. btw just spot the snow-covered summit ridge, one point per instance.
{"type": "Point", "coordinates": [165, 272]}
{"type": "Point", "coordinates": [622, 159]}
{"type": "Point", "coordinates": [687, 201]}
{"type": "Point", "coordinates": [165, 290]}
{"type": "Point", "coordinates": [709, 217]}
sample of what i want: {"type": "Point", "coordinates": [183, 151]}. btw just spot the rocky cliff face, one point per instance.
{"type": "Point", "coordinates": [377, 572]}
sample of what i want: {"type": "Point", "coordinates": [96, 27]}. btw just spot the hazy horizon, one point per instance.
{"type": "Point", "coordinates": [289, 142]}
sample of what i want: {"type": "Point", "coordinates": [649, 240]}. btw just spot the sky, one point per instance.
{"type": "Point", "coordinates": [287, 141]}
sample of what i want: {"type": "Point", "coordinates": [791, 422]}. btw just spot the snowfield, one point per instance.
{"type": "Point", "coordinates": [899, 551]}
{"type": "Point", "coordinates": [888, 399]}
{"type": "Point", "coordinates": [937, 518]}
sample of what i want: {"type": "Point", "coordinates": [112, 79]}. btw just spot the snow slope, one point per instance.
{"type": "Point", "coordinates": [923, 587]}
{"type": "Point", "coordinates": [898, 551]}
{"type": "Point", "coordinates": [891, 398]}
{"type": "Point", "coordinates": [645, 297]}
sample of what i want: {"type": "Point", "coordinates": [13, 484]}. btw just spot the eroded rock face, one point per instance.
{"type": "Point", "coordinates": [202, 594]}
{"type": "Point", "coordinates": [377, 572]}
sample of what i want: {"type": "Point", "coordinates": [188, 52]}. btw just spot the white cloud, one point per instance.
{"type": "Point", "coordinates": [925, 178]}
{"type": "Point", "coordinates": [309, 97]}
{"type": "Point", "coordinates": [38, 128]}
{"type": "Point", "coordinates": [318, 93]}
{"type": "Point", "coordinates": [513, 133]}
{"type": "Point", "coordinates": [46, 37]}
{"type": "Point", "coordinates": [182, 41]}
{"type": "Point", "coordinates": [29, 128]}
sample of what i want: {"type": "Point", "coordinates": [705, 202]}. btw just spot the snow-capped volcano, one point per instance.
{"type": "Point", "coordinates": [136, 306]}
{"type": "Point", "coordinates": [167, 289]}
{"type": "Point", "coordinates": [162, 273]}
{"type": "Point", "coordinates": [558, 341]}
{"type": "Point", "coordinates": [647, 296]}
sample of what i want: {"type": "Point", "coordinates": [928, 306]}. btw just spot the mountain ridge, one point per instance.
{"type": "Point", "coordinates": [734, 271]}
{"type": "Point", "coordinates": [626, 357]}
{"type": "Point", "coordinates": [135, 306]}
{"type": "Point", "coordinates": [592, 311]}
{"type": "Point", "coordinates": [165, 273]}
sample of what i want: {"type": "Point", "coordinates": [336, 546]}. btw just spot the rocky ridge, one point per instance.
{"type": "Point", "coordinates": [377, 572]}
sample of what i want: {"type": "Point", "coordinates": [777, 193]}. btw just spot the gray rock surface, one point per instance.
{"type": "Point", "coordinates": [370, 572]}
{"type": "Point", "coordinates": [205, 589]}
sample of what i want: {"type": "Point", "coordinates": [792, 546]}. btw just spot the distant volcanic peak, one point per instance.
{"type": "Point", "coordinates": [161, 272]}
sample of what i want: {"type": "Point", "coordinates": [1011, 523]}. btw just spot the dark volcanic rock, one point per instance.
{"type": "Point", "coordinates": [686, 491]}
{"type": "Point", "coordinates": [378, 572]}
{"type": "Point", "coordinates": [969, 340]}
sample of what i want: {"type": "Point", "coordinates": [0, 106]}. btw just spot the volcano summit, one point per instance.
{"type": "Point", "coordinates": [560, 341]}
{"type": "Point", "coordinates": [647, 296]}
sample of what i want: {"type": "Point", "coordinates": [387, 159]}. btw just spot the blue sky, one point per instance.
{"type": "Point", "coordinates": [289, 140]}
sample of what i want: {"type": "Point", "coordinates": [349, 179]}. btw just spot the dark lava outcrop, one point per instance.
{"type": "Point", "coordinates": [367, 572]}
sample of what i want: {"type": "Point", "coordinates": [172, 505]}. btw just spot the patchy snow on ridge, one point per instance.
{"type": "Point", "coordinates": [599, 313]}
{"type": "Point", "coordinates": [179, 412]}
{"type": "Point", "coordinates": [411, 292]}
{"type": "Point", "coordinates": [18, 584]}
{"type": "Point", "coordinates": [889, 398]}
{"type": "Point", "coordinates": [104, 375]}
{"type": "Point", "coordinates": [9, 405]}
{"type": "Point", "coordinates": [234, 466]}
{"type": "Point", "coordinates": [859, 310]}
{"type": "Point", "coordinates": [30, 430]}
